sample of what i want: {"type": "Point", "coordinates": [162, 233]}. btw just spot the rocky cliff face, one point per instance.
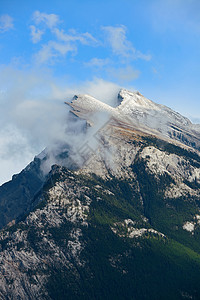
{"type": "Point", "coordinates": [123, 226]}
{"type": "Point", "coordinates": [17, 195]}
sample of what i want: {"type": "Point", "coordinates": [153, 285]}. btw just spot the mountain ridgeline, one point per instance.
{"type": "Point", "coordinates": [122, 224]}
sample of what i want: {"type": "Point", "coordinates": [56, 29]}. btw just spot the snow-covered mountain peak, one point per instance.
{"type": "Point", "coordinates": [89, 104]}
{"type": "Point", "coordinates": [140, 113]}
{"type": "Point", "coordinates": [133, 100]}
{"type": "Point", "coordinates": [128, 102]}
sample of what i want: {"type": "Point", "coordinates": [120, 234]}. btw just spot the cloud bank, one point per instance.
{"type": "Point", "coordinates": [34, 114]}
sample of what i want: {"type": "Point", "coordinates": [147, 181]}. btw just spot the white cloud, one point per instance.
{"type": "Point", "coordinates": [15, 152]}
{"type": "Point", "coordinates": [36, 34]}
{"type": "Point", "coordinates": [103, 90]}
{"type": "Point", "coordinates": [52, 50]}
{"type": "Point", "coordinates": [60, 42]}
{"type": "Point", "coordinates": [116, 36]}
{"type": "Point", "coordinates": [88, 39]}
{"type": "Point", "coordinates": [99, 88]}
{"type": "Point", "coordinates": [6, 23]}
{"type": "Point", "coordinates": [64, 44]}
{"type": "Point", "coordinates": [121, 46]}
{"type": "Point", "coordinates": [84, 38]}
{"type": "Point", "coordinates": [50, 20]}
{"type": "Point", "coordinates": [33, 113]}
{"type": "Point", "coordinates": [98, 62]}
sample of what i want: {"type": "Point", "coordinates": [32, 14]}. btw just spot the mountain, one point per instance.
{"type": "Point", "coordinates": [118, 219]}
{"type": "Point", "coordinates": [135, 110]}
{"type": "Point", "coordinates": [17, 195]}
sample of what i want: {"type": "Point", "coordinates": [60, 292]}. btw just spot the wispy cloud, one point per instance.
{"type": "Point", "coordinates": [6, 23]}
{"type": "Point", "coordinates": [98, 62]}
{"type": "Point", "coordinates": [50, 20]}
{"type": "Point", "coordinates": [52, 50]}
{"type": "Point", "coordinates": [84, 38]}
{"type": "Point", "coordinates": [60, 42]}
{"type": "Point", "coordinates": [120, 45]}
{"type": "Point", "coordinates": [36, 34]}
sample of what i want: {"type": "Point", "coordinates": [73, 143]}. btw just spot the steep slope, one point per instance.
{"type": "Point", "coordinates": [19, 195]}
{"type": "Point", "coordinates": [16, 195]}
{"type": "Point", "coordinates": [168, 122]}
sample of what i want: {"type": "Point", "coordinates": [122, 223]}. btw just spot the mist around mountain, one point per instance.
{"type": "Point", "coordinates": [113, 213]}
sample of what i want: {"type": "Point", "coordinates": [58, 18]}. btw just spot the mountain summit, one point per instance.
{"type": "Point", "coordinates": [139, 112]}
{"type": "Point", "coordinates": [118, 214]}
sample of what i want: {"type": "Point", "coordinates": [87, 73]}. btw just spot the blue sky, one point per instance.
{"type": "Point", "coordinates": [149, 45]}
{"type": "Point", "coordinates": [52, 49]}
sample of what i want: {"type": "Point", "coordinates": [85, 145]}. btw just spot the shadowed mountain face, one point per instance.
{"type": "Point", "coordinates": [124, 225]}
{"type": "Point", "coordinates": [16, 196]}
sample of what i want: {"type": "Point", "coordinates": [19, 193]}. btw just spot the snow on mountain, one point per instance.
{"type": "Point", "coordinates": [134, 100]}
{"type": "Point", "coordinates": [139, 112]}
